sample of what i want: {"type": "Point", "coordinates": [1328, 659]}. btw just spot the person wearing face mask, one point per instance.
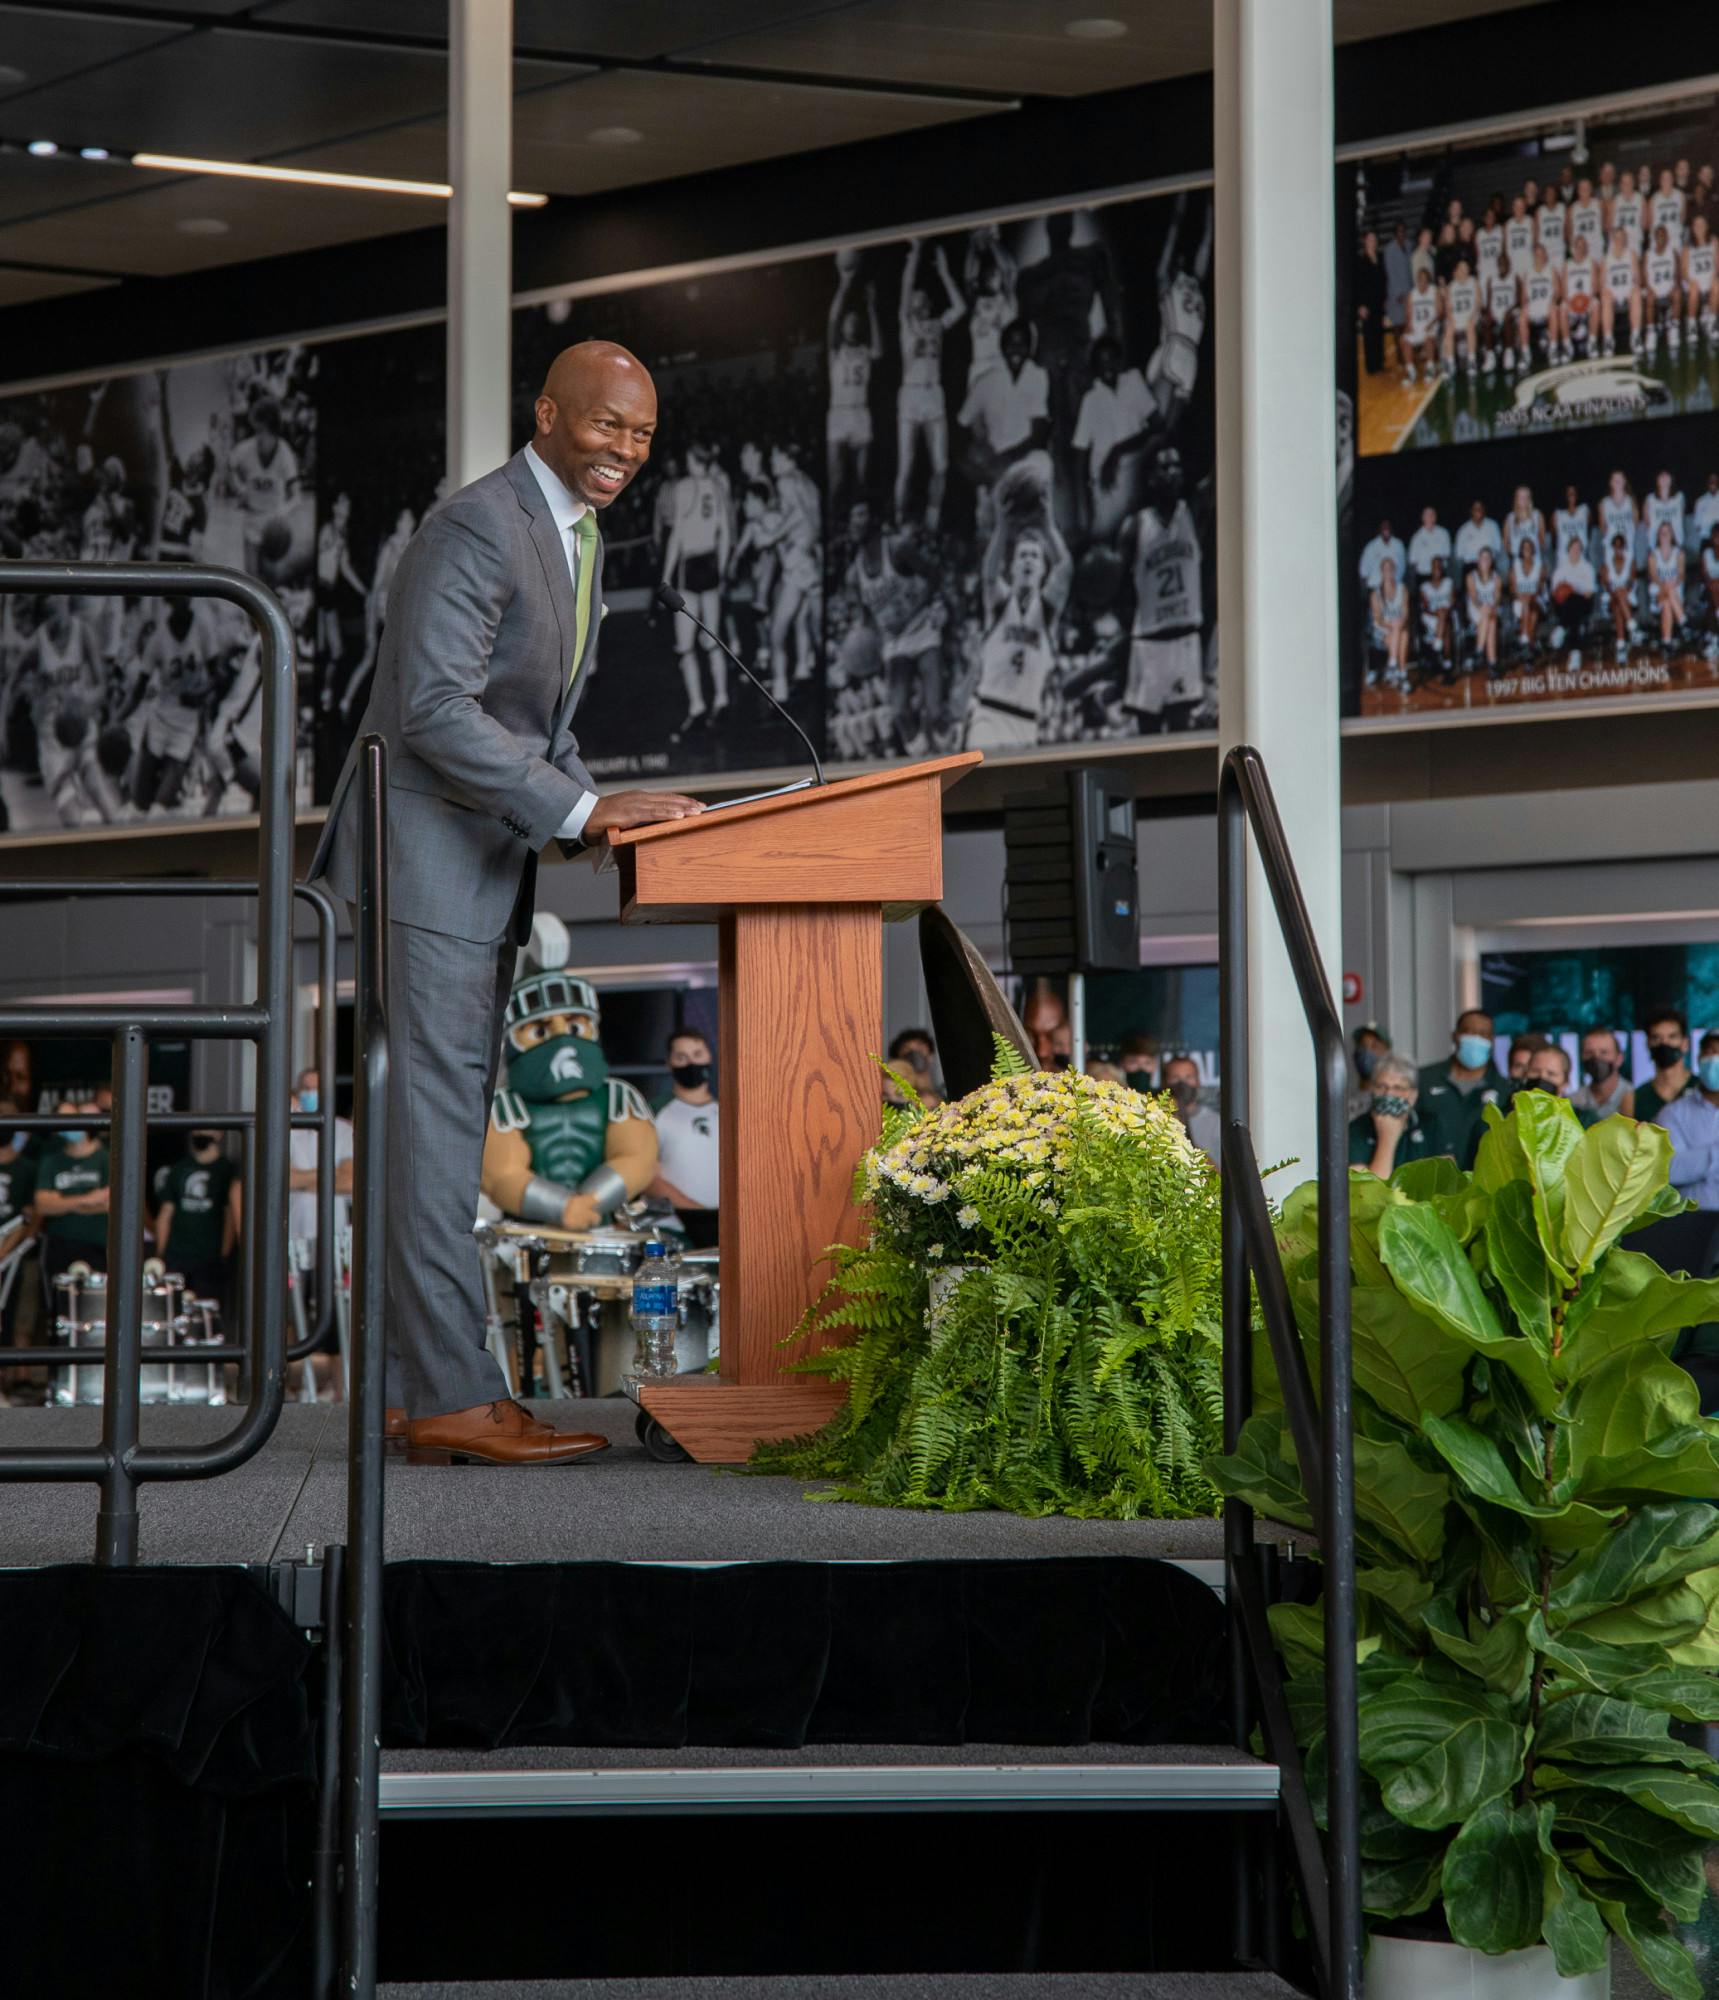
{"type": "Point", "coordinates": [689, 1138]}
{"type": "Point", "coordinates": [1182, 1082]}
{"type": "Point", "coordinates": [1137, 1057]}
{"type": "Point", "coordinates": [304, 1148]}
{"type": "Point", "coordinates": [70, 1200]}
{"type": "Point", "coordinates": [1693, 1122]}
{"type": "Point", "coordinates": [1523, 1049]}
{"type": "Point", "coordinates": [1548, 1070]}
{"type": "Point", "coordinates": [1390, 1132]}
{"type": "Point", "coordinates": [1605, 1091]}
{"type": "Point", "coordinates": [1453, 1092]}
{"type": "Point", "coordinates": [913, 1052]}
{"type": "Point", "coordinates": [198, 1221]}
{"type": "Point", "coordinates": [1668, 1050]}
{"type": "Point", "coordinates": [1368, 1043]}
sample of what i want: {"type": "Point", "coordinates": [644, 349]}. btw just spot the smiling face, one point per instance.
{"type": "Point", "coordinates": [596, 418]}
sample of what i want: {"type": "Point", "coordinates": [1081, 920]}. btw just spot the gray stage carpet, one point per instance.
{"type": "Point", "coordinates": [620, 1506]}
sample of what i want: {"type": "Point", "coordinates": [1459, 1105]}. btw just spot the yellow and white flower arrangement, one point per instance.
{"type": "Point", "coordinates": [1022, 1127]}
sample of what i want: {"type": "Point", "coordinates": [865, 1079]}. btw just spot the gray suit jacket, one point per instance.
{"type": "Point", "coordinates": [473, 698]}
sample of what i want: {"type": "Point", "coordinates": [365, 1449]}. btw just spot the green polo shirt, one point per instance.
{"type": "Point", "coordinates": [198, 1191]}
{"type": "Point", "coordinates": [1363, 1141]}
{"type": "Point", "coordinates": [1452, 1118]}
{"type": "Point", "coordinates": [66, 1174]}
{"type": "Point", "coordinates": [1649, 1104]}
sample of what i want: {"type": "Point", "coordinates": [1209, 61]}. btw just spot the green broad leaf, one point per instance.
{"type": "Point", "coordinates": [1579, 1527]}
{"type": "Point", "coordinates": [1422, 1180]}
{"type": "Point", "coordinates": [1519, 1264]}
{"type": "Point", "coordinates": [1403, 1590]}
{"type": "Point", "coordinates": [1479, 1466]}
{"type": "Point", "coordinates": [1640, 1845]}
{"type": "Point", "coordinates": [1666, 1962]}
{"type": "Point", "coordinates": [1610, 1176]}
{"type": "Point", "coordinates": [1662, 1791]}
{"type": "Point", "coordinates": [1630, 1300]}
{"type": "Point", "coordinates": [1403, 1888]}
{"type": "Point", "coordinates": [1298, 1630]}
{"type": "Point", "coordinates": [1656, 1546]}
{"type": "Point", "coordinates": [1258, 1472]}
{"type": "Point", "coordinates": [1402, 1359]}
{"type": "Point", "coordinates": [1600, 1729]}
{"type": "Point", "coordinates": [1692, 1695]}
{"type": "Point", "coordinates": [1439, 1750]}
{"type": "Point", "coordinates": [1398, 1497]}
{"type": "Point", "coordinates": [1510, 1554]}
{"type": "Point", "coordinates": [1589, 1662]}
{"type": "Point", "coordinates": [1297, 1224]}
{"type": "Point", "coordinates": [1500, 1159]}
{"type": "Point", "coordinates": [1570, 1924]}
{"type": "Point", "coordinates": [1637, 1429]}
{"type": "Point", "coordinates": [1700, 1649]}
{"type": "Point", "coordinates": [1549, 1132]}
{"type": "Point", "coordinates": [1672, 1618]}
{"type": "Point", "coordinates": [1497, 1655]}
{"type": "Point", "coordinates": [1492, 1879]}
{"type": "Point", "coordinates": [1431, 1269]}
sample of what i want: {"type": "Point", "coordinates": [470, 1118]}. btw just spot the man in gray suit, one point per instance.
{"type": "Point", "coordinates": [491, 632]}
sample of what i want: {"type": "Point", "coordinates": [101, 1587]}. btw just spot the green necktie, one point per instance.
{"type": "Point", "coordinates": [585, 535]}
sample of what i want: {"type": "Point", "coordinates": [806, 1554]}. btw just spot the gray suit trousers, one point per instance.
{"type": "Point", "coordinates": [446, 1000]}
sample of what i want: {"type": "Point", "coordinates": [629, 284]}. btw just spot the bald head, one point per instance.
{"type": "Point", "coordinates": [596, 417]}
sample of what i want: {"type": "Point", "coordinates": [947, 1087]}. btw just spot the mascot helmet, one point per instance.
{"type": "Point", "coordinates": [544, 994]}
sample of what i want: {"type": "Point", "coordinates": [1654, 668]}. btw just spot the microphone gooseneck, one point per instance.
{"type": "Point", "coordinates": [672, 600]}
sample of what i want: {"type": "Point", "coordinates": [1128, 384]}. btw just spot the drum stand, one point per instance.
{"type": "Point", "coordinates": [495, 1334]}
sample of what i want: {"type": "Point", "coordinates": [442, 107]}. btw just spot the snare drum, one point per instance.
{"type": "Point", "coordinates": [80, 1320]}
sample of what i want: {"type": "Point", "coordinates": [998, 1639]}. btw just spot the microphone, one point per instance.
{"type": "Point", "coordinates": [671, 600]}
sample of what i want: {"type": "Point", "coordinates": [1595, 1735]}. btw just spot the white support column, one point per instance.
{"type": "Point", "coordinates": [480, 235]}
{"type": "Point", "coordinates": [1277, 500]}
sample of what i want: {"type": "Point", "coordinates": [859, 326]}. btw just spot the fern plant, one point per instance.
{"type": "Point", "coordinates": [1033, 1320]}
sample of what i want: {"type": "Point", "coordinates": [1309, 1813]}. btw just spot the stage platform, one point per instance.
{"type": "Point", "coordinates": [880, 1986]}
{"type": "Point", "coordinates": [620, 1506]}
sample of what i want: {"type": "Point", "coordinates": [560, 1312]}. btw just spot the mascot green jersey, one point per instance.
{"type": "Point", "coordinates": [567, 1142]}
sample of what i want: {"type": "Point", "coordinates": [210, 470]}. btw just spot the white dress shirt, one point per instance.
{"type": "Point", "coordinates": [564, 510]}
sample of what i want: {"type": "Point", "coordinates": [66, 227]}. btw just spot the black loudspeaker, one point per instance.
{"type": "Point", "coordinates": [1070, 880]}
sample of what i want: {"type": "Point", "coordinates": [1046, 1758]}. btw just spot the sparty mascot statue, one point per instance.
{"type": "Point", "coordinates": [567, 1143]}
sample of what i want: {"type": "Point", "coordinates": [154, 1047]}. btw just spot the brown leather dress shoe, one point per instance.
{"type": "Point", "coordinates": [495, 1434]}
{"type": "Point", "coordinates": [393, 1428]}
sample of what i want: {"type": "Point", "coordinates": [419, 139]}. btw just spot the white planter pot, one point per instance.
{"type": "Point", "coordinates": [1422, 1969]}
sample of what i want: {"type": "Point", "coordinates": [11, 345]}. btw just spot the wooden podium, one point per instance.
{"type": "Point", "coordinates": [801, 886]}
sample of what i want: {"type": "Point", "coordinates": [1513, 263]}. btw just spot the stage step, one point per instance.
{"type": "Point", "coordinates": [825, 1777]}
{"type": "Point", "coordinates": [877, 1986]}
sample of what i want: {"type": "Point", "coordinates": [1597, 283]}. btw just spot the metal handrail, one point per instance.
{"type": "Point", "coordinates": [1325, 1452]}
{"type": "Point", "coordinates": [321, 1121]}
{"type": "Point", "coordinates": [361, 1608]}
{"type": "Point", "coordinates": [120, 1462]}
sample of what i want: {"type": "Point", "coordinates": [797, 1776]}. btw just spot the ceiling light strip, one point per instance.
{"type": "Point", "coordinates": [244, 170]}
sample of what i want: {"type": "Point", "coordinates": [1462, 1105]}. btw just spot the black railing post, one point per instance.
{"type": "Point", "coordinates": [360, 1825]}
{"type": "Point", "coordinates": [325, 1863]}
{"type": "Point", "coordinates": [122, 1371]}
{"type": "Point", "coordinates": [1245, 802]}
{"type": "Point", "coordinates": [1234, 1102]}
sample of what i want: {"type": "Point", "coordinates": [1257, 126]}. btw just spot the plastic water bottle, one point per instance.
{"type": "Point", "coordinates": [656, 1313]}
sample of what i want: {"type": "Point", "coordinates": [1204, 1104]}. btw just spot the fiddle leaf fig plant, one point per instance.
{"type": "Point", "coordinates": [1537, 1549]}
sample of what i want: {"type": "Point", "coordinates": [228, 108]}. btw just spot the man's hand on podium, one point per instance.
{"type": "Point", "coordinates": [617, 811]}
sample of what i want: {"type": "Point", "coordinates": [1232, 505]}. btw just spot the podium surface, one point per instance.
{"type": "Point", "coordinates": [800, 886]}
